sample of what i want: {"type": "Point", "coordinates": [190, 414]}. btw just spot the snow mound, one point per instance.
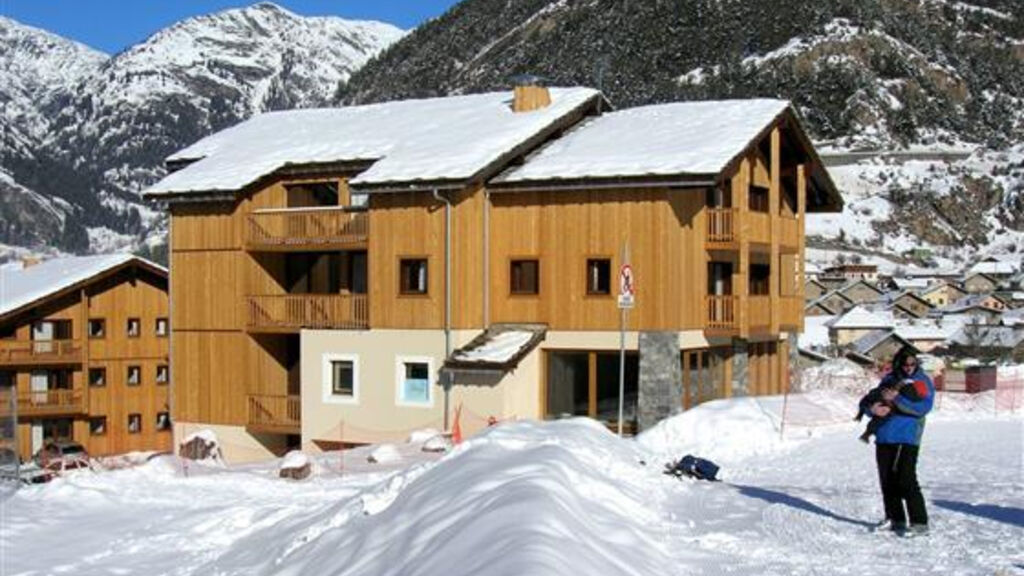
{"type": "Point", "coordinates": [421, 436]}
{"type": "Point", "coordinates": [384, 454]}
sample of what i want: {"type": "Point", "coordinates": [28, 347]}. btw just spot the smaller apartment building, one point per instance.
{"type": "Point", "coordinates": [84, 345]}
{"type": "Point", "coordinates": [399, 262]}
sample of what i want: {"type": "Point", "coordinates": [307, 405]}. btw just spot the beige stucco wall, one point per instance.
{"type": "Point", "coordinates": [237, 444]}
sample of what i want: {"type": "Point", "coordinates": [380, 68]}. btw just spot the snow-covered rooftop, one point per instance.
{"type": "Point", "coordinates": [815, 334]}
{"type": "Point", "coordinates": [501, 348]}
{"type": "Point", "coordinates": [1002, 267]}
{"type": "Point", "coordinates": [23, 285]}
{"type": "Point", "coordinates": [862, 317]}
{"type": "Point", "coordinates": [681, 138]}
{"type": "Point", "coordinates": [910, 283]}
{"type": "Point", "coordinates": [426, 140]}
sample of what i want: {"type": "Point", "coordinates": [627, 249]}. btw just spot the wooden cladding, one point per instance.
{"type": "Point", "coordinates": [292, 312]}
{"type": "Point", "coordinates": [278, 413]}
{"type": "Point", "coordinates": [722, 312]}
{"type": "Point", "coordinates": [760, 311]}
{"type": "Point", "coordinates": [40, 352]}
{"type": "Point", "coordinates": [51, 403]}
{"type": "Point", "coordinates": [722, 225]}
{"type": "Point", "coordinates": [307, 228]}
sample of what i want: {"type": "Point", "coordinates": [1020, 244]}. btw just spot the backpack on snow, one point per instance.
{"type": "Point", "coordinates": [693, 467]}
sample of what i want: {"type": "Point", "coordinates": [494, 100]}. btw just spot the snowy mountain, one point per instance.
{"type": "Point", "coordinates": [875, 76]}
{"type": "Point", "coordinates": [96, 136]}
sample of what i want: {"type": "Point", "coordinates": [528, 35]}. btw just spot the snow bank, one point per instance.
{"type": "Point", "coordinates": [384, 454]}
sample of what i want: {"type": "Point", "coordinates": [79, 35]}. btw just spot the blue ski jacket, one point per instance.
{"type": "Point", "coordinates": [905, 424]}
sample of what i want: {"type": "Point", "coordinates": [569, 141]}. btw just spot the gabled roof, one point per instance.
{"type": "Point", "coordinates": [940, 286]}
{"type": "Point", "coordinates": [910, 283]}
{"type": "Point", "coordinates": [861, 281]}
{"type": "Point", "coordinates": [868, 342]}
{"type": "Point", "coordinates": [988, 335]}
{"type": "Point", "coordinates": [685, 140]}
{"type": "Point", "coordinates": [21, 287]}
{"type": "Point", "coordinates": [450, 139]}
{"type": "Point", "coordinates": [995, 265]}
{"type": "Point", "coordinates": [993, 281]}
{"type": "Point", "coordinates": [860, 317]}
{"type": "Point", "coordinates": [926, 329]}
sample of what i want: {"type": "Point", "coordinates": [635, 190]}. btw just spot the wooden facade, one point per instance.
{"type": "Point", "coordinates": [107, 389]}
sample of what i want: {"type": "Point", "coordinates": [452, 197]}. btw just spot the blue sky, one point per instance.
{"type": "Point", "coordinates": [113, 25]}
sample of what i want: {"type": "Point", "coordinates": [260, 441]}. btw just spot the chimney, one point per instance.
{"type": "Point", "coordinates": [529, 94]}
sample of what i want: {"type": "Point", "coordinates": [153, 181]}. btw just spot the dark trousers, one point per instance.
{"type": "Point", "coordinates": [897, 474]}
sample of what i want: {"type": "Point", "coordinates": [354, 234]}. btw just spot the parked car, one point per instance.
{"type": "Point", "coordinates": [61, 455]}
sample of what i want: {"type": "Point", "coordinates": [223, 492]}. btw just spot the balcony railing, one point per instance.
{"type": "Point", "coordinates": [292, 312]}
{"type": "Point", "coordinates": [722, 312]}
{"type": "Point", "coordinates": [51, 403]}
{"type": "Point", "coordinates": [722, 225]}
{"type": "Point", "coordinates": [275, 413]}
{"type": "Point", "coordinates": [40, 352]}
{"type": "Point", "coordinates": [307, 227]}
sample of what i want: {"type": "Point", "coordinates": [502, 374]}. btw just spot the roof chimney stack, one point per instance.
{"type": "Point", "coordinates": [530, 95]}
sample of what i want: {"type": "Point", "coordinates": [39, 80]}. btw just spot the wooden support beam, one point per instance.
{"type": "Point", "coordinates": [775, 212]}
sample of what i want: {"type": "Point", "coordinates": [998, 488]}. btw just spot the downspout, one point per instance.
{"type": "Point", "coordinates": [447, 383]}
{"type": "Point", "coordinates": [487, 259]}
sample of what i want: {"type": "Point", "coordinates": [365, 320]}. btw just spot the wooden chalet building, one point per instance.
{"type": "Point", "coordinates": [84, 344]}
{"type": "Point", "coordinates": [346, 276]}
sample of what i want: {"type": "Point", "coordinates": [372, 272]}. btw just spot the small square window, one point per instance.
{"type": "Point", "coordinates": [97, 328]}
{"type": "Point", "coordinates": [414, 381]}
{"type": "Point", "coordinates": [163, 374]}
{"type": "Point", "coordinates": [97, 377]}
{"type": "Point", "coordinates": [599, 276]}
{"type": "Point", "coordinates": [163, 421]}
{"type": "Point", "coordinates": [134, 423]}
{"type": "Point", "coordinates": [342, 378]}
{"type": "Point", "coordinates": [162, 327]}
{"type": "Point", "coordinates": [413, 276]}
{"type": "Point", "coordinates": [134, 376]}
{"type": "Point", "coordinates": [524, 277]}
{"type": "Point", "coordinates": [97, 426]}
{"type": "Point", "coordinates": [134, 328]}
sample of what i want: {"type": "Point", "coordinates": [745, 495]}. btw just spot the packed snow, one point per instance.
{"type": "Point", "coordinates": [799, 492]}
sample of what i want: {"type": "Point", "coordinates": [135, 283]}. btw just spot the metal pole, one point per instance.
{"type": "Point", "coordinates": [622, 366]}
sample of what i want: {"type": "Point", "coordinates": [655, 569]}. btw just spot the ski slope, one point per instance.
{"type": "Point", "coordinates": [564, 497]}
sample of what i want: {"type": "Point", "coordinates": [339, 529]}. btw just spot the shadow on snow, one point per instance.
{"type": "Point", "coordinates": [776, 497]}
{"type": "Point", "coordinates": [1005, 514]}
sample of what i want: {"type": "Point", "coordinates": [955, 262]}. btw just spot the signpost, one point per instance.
{"type": "Point", "coordinates": [627, 291]}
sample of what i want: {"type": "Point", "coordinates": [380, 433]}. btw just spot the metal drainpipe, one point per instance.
{"type": "Point", "coordinates": [447, 384]}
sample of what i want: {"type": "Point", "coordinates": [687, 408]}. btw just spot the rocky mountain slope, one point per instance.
{"type": "Point", "coordinates": [86, 132]}
{"type": "Point", "coordinates": [866, 75]}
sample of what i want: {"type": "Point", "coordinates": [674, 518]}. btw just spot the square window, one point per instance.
{"type": "Point", "coordinates": [758, 199]}
{"type": "Point", "coordinates": [342, 381]}
{"type": "Point", "coordinates": [162, 327]}
{"type": "Point", "coordinates": [340, 377]}
{"type": "Point", "coordinates": [163, 374]}
{"type": "Point", "coordinates": [134, 423]}
{"type": "Point", "coordinates": [97, 426]}
{"type": "Point", "coordinates": [414, 385]}
{"type": "Point", "coordinates": [97, 328]}
{"type": "Point", "coordinates": [524, 277]}
{"type": "Point", "coordinates": [134, 328]}
{"type": "Point", "coordinates": [599, 276]}
{"type": "Point", "coordinates": [413, 276]}
{"type": "Point", "coordinates": [163, 421]}
{"type": "Point", "coordinates": [134, 376]}
{"type": "Point", "coordinates": [97, 377]}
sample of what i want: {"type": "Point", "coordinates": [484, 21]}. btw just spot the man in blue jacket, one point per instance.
{"type": "Point", "coordinates": [898, 441]}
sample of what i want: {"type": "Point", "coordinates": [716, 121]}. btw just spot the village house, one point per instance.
{"type": "Point", "coordinates": [908, 304]}
{"type": "Point", "coordinates": [862, 292]}
{"type": "Point", "coordinates": [84, 345]}
{"type": "Point", "coordinates": [878, 347]}
{"type": "Point", "coordinates": [979, 283]}
{"type": "Point", "coordinates": [857, 323]}
{"type": "Point", "coordinates": [814, 290]}
{"type": "Point", "coordinates": [347, 276]}
{"type": "Point", "coordinates": [849, 272]}
{"type": "Point", "coordinates": [942, 294]}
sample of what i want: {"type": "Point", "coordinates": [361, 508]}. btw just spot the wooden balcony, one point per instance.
{"type": "Point", "coordinates": [722, 227]}
{"type": "Point", "coordinates": [275, 414]}
{"type": "Point", "coordinates": [40, 353]}
{"type": "Point", "coordinates": [51, 403]}
{"type": "Point", "coordinates": [292, 312]}
{"type": "Point", "coordinates": [303, 229]}
{"type": "Point", "coordinates": [723, 313]}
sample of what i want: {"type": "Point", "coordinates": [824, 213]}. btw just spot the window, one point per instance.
{"type": "Point", "coordinates": [97, 426]}
{"type": "Point", "coordinates": [758, 199]}
{"type": "Point", "coordinates": [413, 381]}
{"type": "Point", "coordinates": [599, 276]}
{"type": "Point", "coordinates": [163, 421]}
{"type": "Point", "coordinates": [97, 377]}
{"type": "Point", "coordinates": [524, 277]}
{"type": "Point", "coordinates": [587, 384]}
{"type": "Point", "coordinates": [162, 327]}
{"type": "Point", "coordinates": [413, 276]}
{"type": "Point", "coordinates": [134, 423]}
{"type": "Point", "coordinates": [97, 328]}
{"type": "Point", "coordinates": [759, 276]}
{"type": "Point", "coordinates": [340, 379]}
{"type": "Point", "coordinates": [134, 376]}
{"type": "Point", "coordinates": [163, 374]}
{"type": "Point", "coordinates": [134, 328]}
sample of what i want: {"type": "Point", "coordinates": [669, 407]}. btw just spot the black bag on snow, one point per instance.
{"type": "Point", "coordinates": [699, 468]}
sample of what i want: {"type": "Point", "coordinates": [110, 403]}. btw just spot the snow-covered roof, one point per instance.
{"type": "Point", "coordinates": [815, 334]}
{"type": "Point", "coordinates": [860, 317]}
{"type": "Point", "coordinates": [1001, 267]}
{"type": "Point", "coordinates": [435, 139]}
{"type": "Point", "coordinates": [990, 336]}
{"type": "Point", "coordinates": [20, 286]}
{"type": "Point", "coordinates": [925, 330]}
{"type": "Point", "coordinates": [499, 347]}
{"type": "Point", "coordinates": [910, 283]}
{"type": "Point", "coordinates": [680, 138]}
